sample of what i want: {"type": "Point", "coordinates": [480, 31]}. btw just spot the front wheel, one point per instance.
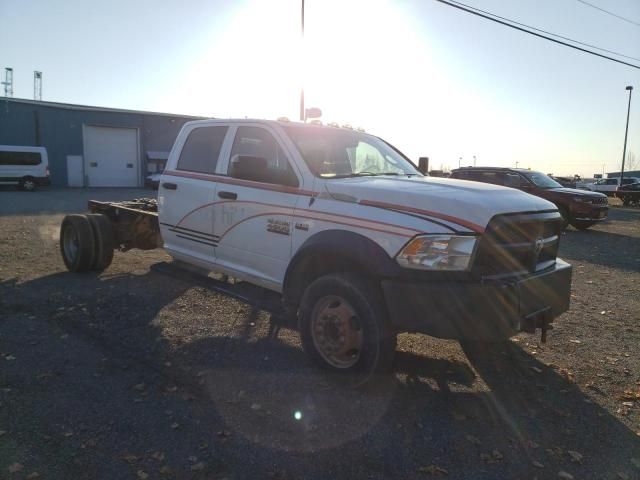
{"type": "Point", "coordinates": [564, 213]}
{"type": "Point", "coordinates": [344, 328]}
{"type": "Point", "coordinates": [582, 224]}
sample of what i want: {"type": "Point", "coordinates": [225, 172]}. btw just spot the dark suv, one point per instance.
{"type": "Point", "coordinates": [580, 208]}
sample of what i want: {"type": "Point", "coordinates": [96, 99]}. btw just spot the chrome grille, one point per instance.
{"type": "Point", "coordinates": [518, 244]}
{"type": "Point", "coordinates": [599, 201]}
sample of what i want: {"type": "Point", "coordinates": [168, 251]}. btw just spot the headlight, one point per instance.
{"type": "Point", "coordinates": [582, 199]}
{"type": "Point", "coordinates": [438, 252]}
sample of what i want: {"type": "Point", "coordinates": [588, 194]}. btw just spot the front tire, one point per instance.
{"type": "Point", "coordinates": [77, 243]}
{"type": "Point", "coordinates": [344, 328]}
{"type": "Point", "coordinates": [582, 225]}
{"type": "Point", "coordinates": [564, 213]}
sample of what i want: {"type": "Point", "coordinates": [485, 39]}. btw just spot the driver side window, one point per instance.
{"type": "Point", "coordinates": [257, 156]}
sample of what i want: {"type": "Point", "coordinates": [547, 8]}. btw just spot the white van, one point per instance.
{"type": "Point", "coordinates": [27, 167]}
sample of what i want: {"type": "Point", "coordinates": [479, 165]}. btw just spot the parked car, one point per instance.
{"type": "Point", "coordinates": [26, 167]}
{"type": "Point", "coordinates": [580, 208]}
{"type": "Point", "coordinates": [629, 194]}
{"type": "Point", "coordinates": [351, 240]}
{"type": "Point", "coordinates": [152, 180]}
{"type": "Point", "coordinates": [609, 186]}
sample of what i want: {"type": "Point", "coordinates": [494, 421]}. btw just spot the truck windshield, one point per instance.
{"type": "Point", "coordinates": [541, 180]}
{"type": "Point", "coordinates": [337, 153]}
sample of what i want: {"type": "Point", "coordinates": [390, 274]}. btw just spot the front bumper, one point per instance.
{"type": "Point", "coordinates": [591, 213]}
{"type": "Point", "coordinates": [485, 310]}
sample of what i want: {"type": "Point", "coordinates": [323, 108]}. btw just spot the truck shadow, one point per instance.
{"type": "Point", "coordinates": [262, 410]}
{"type": "Point", "coordinates": [612, 250]}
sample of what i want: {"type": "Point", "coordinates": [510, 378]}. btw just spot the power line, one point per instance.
{"type": "Point", "coordinates": [609, 13]}
{"type": "Point", "coordinates": [544, 31]}
{"type": "Point", "coordinates": [468, 10]}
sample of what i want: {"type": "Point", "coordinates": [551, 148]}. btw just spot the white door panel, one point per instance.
{"type": "Point", "coordinates": [187, 216]}
{"type": "Point", "coordinates": [255, 231]}
{"type": "Point", "coordinates": [186, 195]}
{"type": "Point", "coordinates": [255, 205]}
{"type": "Point", "coordinates": [75, 175]}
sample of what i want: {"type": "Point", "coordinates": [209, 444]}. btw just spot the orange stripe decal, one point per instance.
{"type": "Point", "coordinates": [402, 208]}
{"type": "Point", "coordinates": [310, 217]}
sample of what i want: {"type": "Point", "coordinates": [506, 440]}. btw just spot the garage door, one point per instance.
{"type": "Point", "coordinates": [111, 156]}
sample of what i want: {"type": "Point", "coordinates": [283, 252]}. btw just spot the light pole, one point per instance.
{"type": "Point", "coordinates": [474, 160]}
{"type": "Point", "coordinates": [302, 86]}
{"type": "Point", "coordinates": [459, 162]}
{"type": "Point", "coordinates": [626, 131]}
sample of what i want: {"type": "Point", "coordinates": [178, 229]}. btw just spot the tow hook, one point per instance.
{"type": "Point", "coordinates": [540, 319]}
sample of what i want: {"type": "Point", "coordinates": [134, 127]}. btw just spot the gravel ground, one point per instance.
{"type": "Point", "coordinates": [134, 374]}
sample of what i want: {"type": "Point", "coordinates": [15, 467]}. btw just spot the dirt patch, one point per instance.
{"type": "Point", "coordinates": [134, 374]}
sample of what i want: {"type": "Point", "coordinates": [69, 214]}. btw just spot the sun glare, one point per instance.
{"type": "Point", "coordinates": [366, 63]}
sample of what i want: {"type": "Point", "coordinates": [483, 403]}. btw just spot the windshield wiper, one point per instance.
{"type": "Point", "coordinates": [350, 175]}
{"type": "Point", "coordinates": [364, 174]}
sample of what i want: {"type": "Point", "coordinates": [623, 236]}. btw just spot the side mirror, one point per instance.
{"type": "Point", "coordinates": [423, 165]}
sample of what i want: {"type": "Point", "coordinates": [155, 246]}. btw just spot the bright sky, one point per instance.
{"type": "Point", "coordinates": [428, 78]}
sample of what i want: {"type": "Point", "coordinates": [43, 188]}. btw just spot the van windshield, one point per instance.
{"type": "Point", "coordinates": [337, 153]}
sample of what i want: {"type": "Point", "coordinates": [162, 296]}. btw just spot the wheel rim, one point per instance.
{"type": "Point", "coordinates": [336, 331]}
{"type": "Point", "coordinates": [29, 185]}
{"type": "Point", "coordinates": [70, 243]}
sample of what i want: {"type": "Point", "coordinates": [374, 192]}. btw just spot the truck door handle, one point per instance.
{"type": "Point", "coordinates": [228, 195]}
{"type": "Point", "coordinates": [169, 185]}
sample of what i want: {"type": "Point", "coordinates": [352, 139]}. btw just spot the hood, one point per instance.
{"type": "Point", "coordinates": [457, 202]}
{"type": "Point", "coordinates": [577, 191]}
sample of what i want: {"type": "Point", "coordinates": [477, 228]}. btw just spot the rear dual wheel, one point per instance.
{"type": "Point", "coordinates": [104, 242]}
{"type": "Point", "coordinates": [86, 242]}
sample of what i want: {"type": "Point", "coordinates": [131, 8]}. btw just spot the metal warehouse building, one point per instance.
{"type": "Point", "coordinates": [92, 146]}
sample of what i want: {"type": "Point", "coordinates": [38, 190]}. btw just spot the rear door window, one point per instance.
{"type": "Point", "coordinates": [201, 150]}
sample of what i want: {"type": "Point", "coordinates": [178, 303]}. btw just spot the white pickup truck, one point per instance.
{"type": "Point", "coordinates": [609, 186]}
{"type": "Point", "coordinates": [354, 241]}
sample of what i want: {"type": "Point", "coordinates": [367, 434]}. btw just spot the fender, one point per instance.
{"type": "Point", "coordinates": [335, 248]}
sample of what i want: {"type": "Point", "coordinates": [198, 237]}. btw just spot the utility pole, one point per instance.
{"type": "Point", "coordinates": [626, 131]}
{"type": "Point", "coordinates": [302, 62]}
{"type": "Point", "coordinates": [8, 82]}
